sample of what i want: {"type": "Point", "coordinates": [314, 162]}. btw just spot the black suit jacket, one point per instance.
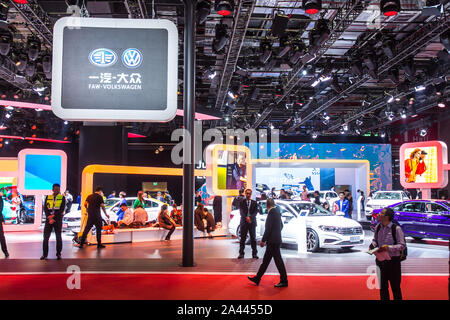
{"type": "Point", "coordinates": [1, 210]}
{"type": "Point", "coordinates": [244, 210]}
{"type": "Point", "coordinates": [274, 225]}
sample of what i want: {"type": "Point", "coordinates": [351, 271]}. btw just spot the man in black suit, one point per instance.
{"type": "Point", "coordinates": [2, 235]}
{"type": "Point", "coordinates": [272, 236]}
{"type": "Point", "coordinates": [248, 209]}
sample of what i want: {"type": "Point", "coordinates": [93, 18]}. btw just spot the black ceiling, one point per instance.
{"type": "Point", "coordinates": [358, 58]}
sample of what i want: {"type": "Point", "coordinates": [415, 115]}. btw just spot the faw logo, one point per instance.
{"type": "Point", "coordinates": [103, 57]}
{"type": "Point", "coordinates": [132, 58]}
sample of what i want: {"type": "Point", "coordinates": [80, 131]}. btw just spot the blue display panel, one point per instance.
{"type": "Point", "coordinates": [42, 171]}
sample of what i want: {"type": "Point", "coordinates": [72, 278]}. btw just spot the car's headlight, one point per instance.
{"type": "Point", "coordinates": [368, 205]}
{"type": "Point", "coordinates": [329, 229]}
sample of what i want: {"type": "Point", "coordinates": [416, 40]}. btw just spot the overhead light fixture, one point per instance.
{"type": "Point", "coordinates": [317, 36]}
{"type": "Point", "coordinates": [314, 135]}
{"type": "Point", "coordinates": [4, 8]}
{"type": "Point", "coordinates": [312, 6]}
{"type": "Point", "coordinates": [342, 131]}
{"type": "Point", "coordinates": [423, 132]}
{"type": "Point", "coordinates": [66, 122]}
{"type": "Point", "coordinates": [279, 24]}
{"type": "Point", "coordinates": [390, 8]}
{"type": "Point", "coordinates": [382, 134]}
{"type": "Point", "coordinates": [9, 108]}
{"type": "Point", "coordinates": [22, 63]}
{"type": "Point", "coordinates": [345, 127]}
{"type": "Point", "coordinates": [419, 88]}
{"type": "Point", "coordinates": [403, 113]}
{"type": "Point", "coordinates": [30, 70]}
{"type": "Point", "coordinates": [304, 72]}
{"type": "Point", "coordinates": [284, 46]}
{"type": "Point", "coordinates": [203, 11]}
{"type": "Point", "coordinates": [298, 48]}
{"type": "Point", "coordinates": [33, 47]}
{"type": "Point", "coordinates": [266, 49]}
{"type": "Point", "coordinates": [358, 122]}
{"type": "Point", "coordinates": [224, 7]}
{"type": "Point", "coordinates": [8, 115]}
{"type": "Point", "coordinates": [390, 99]}
{"type": "Point", "coordinates": [6, 39]}
{"type": "Point", "coordinates": [271, 126]}
{"type": "Point", "coordinates": [357, 131]}
{"type": "Point", "coordinates": [315, 83]}
{"type": "Point", "coordinates": [433, 8]}
{"type": "Point", "coordinates": [441, 104]}
{"type": "Point", "coordinates": [221, 37]}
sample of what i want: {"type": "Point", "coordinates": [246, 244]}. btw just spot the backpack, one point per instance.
{"type": "Point", "coordinates": [404, 252]}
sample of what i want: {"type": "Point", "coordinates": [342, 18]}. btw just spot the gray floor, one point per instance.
{"type": "Point", "coordinates": [211, 255]}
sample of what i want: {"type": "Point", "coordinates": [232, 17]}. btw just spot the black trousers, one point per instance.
{"type": "Point", "coordinates": [251, 229]}
{"type": "Point", "coordinates": [273, 251]}
{"type": "Point", "coordinates": [98, 226]}
{"type": "Point", "coordinates": [48, 228]}
{"type": "Point", "coordinates": [2, 239]}
{"type": "Point", "coordinates": [391, 272]}
{"type": "Point", "coordinates": [171, 230]}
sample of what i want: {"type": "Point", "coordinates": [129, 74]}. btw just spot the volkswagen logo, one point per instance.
{"type": "Point", "coordinates": [103, 57]}
{"type": "Point", "coordinates": [132, 58]}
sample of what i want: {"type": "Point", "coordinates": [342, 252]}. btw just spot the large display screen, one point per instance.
{"type": "Point", "coordinates": [231, 170]}
{"type": "Point", "coordinates": [42, 171]}
{"type": "Point", "coordinates": [420, 165]}
{"type": "Point", "coordinates": [378, 155]}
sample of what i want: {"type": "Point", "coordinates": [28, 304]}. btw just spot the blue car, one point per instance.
{"type": "Point", "coordinates": [421, 218]}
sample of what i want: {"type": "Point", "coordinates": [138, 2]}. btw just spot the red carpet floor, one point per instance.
{"type": "Point", "coordinates": [220, 287]}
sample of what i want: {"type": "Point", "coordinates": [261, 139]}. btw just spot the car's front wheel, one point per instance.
{"type": "Point", "coordinates": [312, 240]}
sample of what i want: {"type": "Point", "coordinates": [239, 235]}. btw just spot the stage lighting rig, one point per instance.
{"type": "Point", "coordinates": [203, 11]}
{"type": "Point", "coordinates": [312, 6]}
{"type": "Point", "coordinates": [6, 39]}
{"type": "Point", "coordinates": [221, 37]}
{"type": "Point", "coordinates": [33, 47]}
{"type": "Point", "coordinates": [390, 8]}
{"type": "Point", "coordinates": [265, 48]}
{"type": "Point", "coordinates": [224, 7]}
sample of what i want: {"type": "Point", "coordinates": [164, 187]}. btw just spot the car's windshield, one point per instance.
{"type": "Point", "coordinates": [313, 209]}
{"type": "Point", "coordinates": [445, 203]}
{"type": "Point", "coordinates": [387, 196]}
{"type": "Point", "coordinates": [109, 203]}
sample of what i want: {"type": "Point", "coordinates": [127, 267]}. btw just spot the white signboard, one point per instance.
{"type": "Point", "coordinates": [115, 69]}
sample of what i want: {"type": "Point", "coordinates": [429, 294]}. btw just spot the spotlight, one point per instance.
{"type": "Point", "coordinates": [419, 88]}
{"type": "Point", "coordinates": [8, 115]}
{"type": "Point", "coordinates": [299, 49]}
{"type": "Point", "coordinates": [357, 131]}
{"type": "Point", "coordinates": [315, 83]}
{"type": "Point", "coordinates": [433, 8]}
{"type": "Point", "coordinates": [224, 7]}
{"type": "Point", "coordinates": [356, 69]}
{"type": "Point", "coordinates": [221, 37]}
{"type": "Point", "coordinates": [388, 48]}
{"type": "Point", "coordinates": [279, 24]}
{"type": "Point", "coordinates": [22, 63]}
{"type": "Point", "coordinates": [390, 99]}
{"type": "Point", "coordinates": [390, 7]}
{"type": "Point", "coordinates": [304, 72]}
{"type": "Point", "coordinates": [445, 40]}
{"type": "Point", "coordinates": [423, 132]}
{"type": "Point", "coordinates": [203, 11]}
{"type": "Point", "coordinates": [284, 47]}
{"type": "Point", "coordinates": [47, 63]}
{"type": "Point", "coordinates": [358, 122]}
{"type": "Point", "coordinates": [342, 131]}
{"type": "Point", "coordinates": [441, 104]}
{"type": "Point", "coordinates": [30, 69]}
{"type": "Point", "coordinates": [318, 35]}
{"type": "Point", "coordinates": [345, 127]}
{"type": "Point", "coordinates": [314, 135]}
{"type": "Point", "coordinates": [335, 84]}
{"type": "Point", "coordinates": [370, 62]}
{"type": "Point", "coordinates": [312, 6]}
{"type": "Point", "coordinates": [4, 8]}
{"type": "Point", "coordinates": [382, 134]}
{"type": "Point", "coordinates": [266, 50]}
{"type": "Point", "coordinates": [34, 47]}
{"type": "Point", "coordinates": [271, 126]}
{"type": "Point", "coordinates": [410, 69]}
{"type": "Point", "coordinates": [66, 122]}
{"type": "Point", "coordinates": [6, 40]}
{"type": "Point", "coordinates": [403, 113]}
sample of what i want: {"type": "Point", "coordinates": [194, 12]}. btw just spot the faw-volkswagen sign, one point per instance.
{"type": "Point", "coordinates": [115, 69]}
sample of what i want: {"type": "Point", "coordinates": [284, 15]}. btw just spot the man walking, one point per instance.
{"type": "Point", "coordinates": [389, 238]}
{"type": "Point", "coordinates": [54, 207]}
{"type": "Point", "coordinates": [2, 234]}
{"type": "Point", "coordinates": [93, 204]}
{"type": "Point", "coordinates": [272, 236]}
{"type": "Point", "coordinates": [248, 210]}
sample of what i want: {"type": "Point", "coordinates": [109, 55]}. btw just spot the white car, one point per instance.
{"type": "Point", "coordinates": [330, 196]}
{"type": "Point", "coordinates": [323, 228]}
{"type": "Point", "coordinates": [382, 199]}
{"type": "Point", "coordinates": [72, 220]}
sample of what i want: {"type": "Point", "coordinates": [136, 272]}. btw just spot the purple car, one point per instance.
{"type": "Point", "coordinates": [420, 218]}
